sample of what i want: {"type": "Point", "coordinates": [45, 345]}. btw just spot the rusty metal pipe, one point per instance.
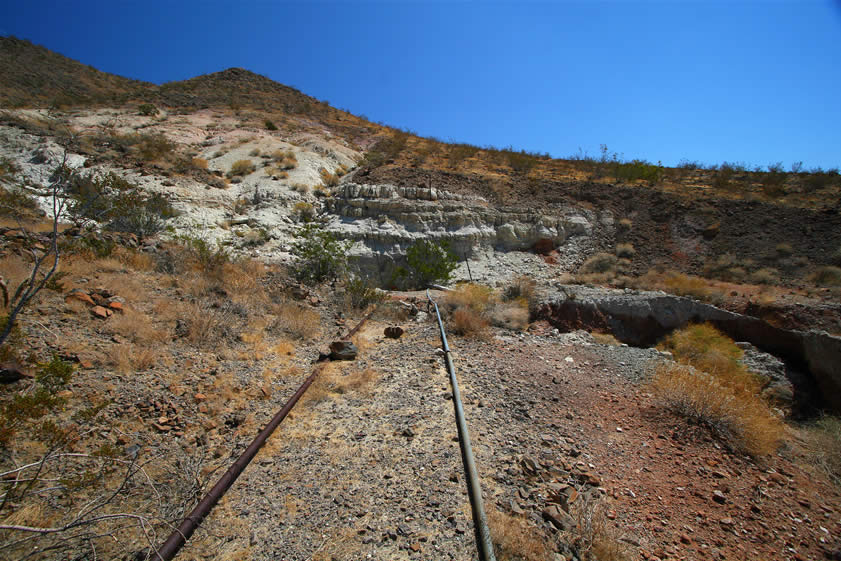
{"type": "Point", "coordinates": [474, 489]}
{"type": "Point", "coordinates": [169, 549]}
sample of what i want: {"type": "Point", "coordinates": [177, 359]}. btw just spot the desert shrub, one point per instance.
{"type": "Point", "coordinates": [430, 262]}
{"type": "Point", "coordinates": [303, 211]}
{"type": "Point", "coordinates": [286, 160]}
{"type": "Point", "coordinates": [318, 254]}
{"type": "Point", "coordinates": [302, 188]}
{"type": "Point", "coordinates": [467, 322]}
{"type": "Point", "coordinates": [510, 315]}
{"type": "Point", "coordinates": [199, 253]}
{"type": "Point", "coordinates": [475, 297]}
{"type": "Point", "coordinates": [38, 401]}
{"type": "Point", "coordinates": [255, 152]}
{"type": "Point", "coordinates": [241, 167]}
{"type": "Point", "coordinates": [766, 275]}
{"type": "Point", "coordinates": [637, 170]}
{"type": "Point", "coordinates": [361, 293]}
{"type": "Point", "coordinates": [328, 179]}
{"type": "Point", "coordinates": [14, 202]}
{"type": "Point", "coordinates": [270, 125]}
{"type": "Point", "coordinates": [600, 263]}
{"type": "Point", "coordinates": [677, 283]}
{"type": "Point", "coordinates": [740, 418]}
{"type": "Point", "coordinates": [514, 539]}
{"type": "Point", "coordinates": [784, 249]}
{"type": "Point", "coordinates": [199, 163]}
{"type": "Point", "coordinates": [827, 276]}
{"type": "Point", "coordinates": [593, 537]}
{"type": "Point", "coordinates": [521, 289]}
{"type": "Point", "coordinates": [8, 169]}
{"type": "Point", "coordinates": [625, 251]}
{"type": "Point", "coordinates": [823, 446]}
{"type": "Point", "coordinates": [117, 203]}
{"type": "Point", "coordinates": [147, 110]}
{"type": "Point", "coordinates": [153, 147]}
{"type": "Point", "coordinates": [706, 348]}
{"type": "Point", "coordinates": [301, 322]}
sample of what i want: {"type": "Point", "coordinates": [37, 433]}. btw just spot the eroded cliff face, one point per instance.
{"type": "Point", "coordinates": [386, 219]}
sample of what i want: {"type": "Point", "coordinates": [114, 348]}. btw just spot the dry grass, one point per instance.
{"type": "Point", "coordinates": [823, 446]}
{"type": "Point", "coordinates": [676, 283]}
{"type": "Point", "coordinates": [300, 321]}
{"type": "Point", "coordinates": [515, 539]}
{"type": "Point", "coordinates": [712, 388]}
{"type": "Point", "coordinates": [127, 358]}
{"type": "Point", "coordinates": [241, 167]}
{"type": "Point", "coordinates": [137, 327]}
{"type": "Point", "coordinates": [475, 297]}
{"type": "Point", "coordinates": [706, 348]}
{"type": "Point", "coordinates": [338, 378]}
{"type": "Point", "coordinates": [606, 338]}
{"type": "Point", "coordinates": [510, 315]}
{"type": "Point", "coordinates": [742, 419]}
{"type": "Point", "coordinates": [595, 538]}
{"type": "Point", "coordinates": [468, 323]}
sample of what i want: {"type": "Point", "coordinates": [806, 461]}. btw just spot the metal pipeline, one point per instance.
{"type": "Point", "coordinates": [168, 550]}
{"type": "Point", "coordinates": [474, 490]}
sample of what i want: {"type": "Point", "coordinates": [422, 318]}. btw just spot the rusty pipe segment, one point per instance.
{"type": "Point", "coordinates": [170, 548]}
{"type": "Point", "coordinates": [474, 489]}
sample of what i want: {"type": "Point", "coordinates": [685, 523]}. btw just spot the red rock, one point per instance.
{"type": "Point", "coordinates": [100, 312]}
{"type": "Point", "coordinates": [117, 306]}
{"type": "Point", "coordinates": [199, 397]}
{"type": "Point", "coordinates": [80, 295]}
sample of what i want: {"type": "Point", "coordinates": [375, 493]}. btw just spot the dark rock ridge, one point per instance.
{"type": "Point", "coordinates": [641, 318]}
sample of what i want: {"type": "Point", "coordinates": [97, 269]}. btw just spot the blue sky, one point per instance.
{"type": "Point", "coordinates": [752, 82]}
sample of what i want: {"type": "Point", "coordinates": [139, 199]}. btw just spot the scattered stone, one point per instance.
{"type": "Point", "coordinates": [100, 312]}
{"type": "Point", "coordinates": [80, 295]}
{"type": "Point", "coordinates": [558, 518]}
{"type": "Point", "coordinates": [719, 497]}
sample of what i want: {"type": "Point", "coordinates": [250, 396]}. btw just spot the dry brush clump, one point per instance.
{"type": "Point", "coordinates": [472, 308]}
{"type": "Point", "coordinates": [710, 387]}
{"type": "Point", "coordinates": [823, 446]}
{"type": "Point", "coordinates": [514, 539]}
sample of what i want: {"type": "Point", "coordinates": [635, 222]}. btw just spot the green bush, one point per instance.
{"type": "Point", "coordinates": [319, 256]}
{"type": "Point", "coordinates": [147, 110]}
{"type": "Point", "coordinates": [118, 204]}
{"type": "Point", "coordinates": [430, 262]}
{"type": "Point", "coordinates": [361, 292]}
{"type": "Point", "coordinates": [270, 125]}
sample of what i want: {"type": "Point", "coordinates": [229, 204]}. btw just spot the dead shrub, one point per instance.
{"type": "Point", "coordinates": [625, 251]}
{"type": "Point", "coordinates": [466, 322]}
{"type": "Point", "coordinates": [241, 167]}
{"type": "Point", "coordinates": [823, 446]}
{"type": "Point", "coordinates": [128, 358]}
{"type": "Point", "coordinates": [299, 321]}
{"type": "Point", "coordinates": [515, 539]}
{"type": "Point", "coordinates": [766, 275]}
{"type": "Point", "coordinates": [207, 325]}
{"type": "Point", "coordinates": [199, 163]}
{"type": "Point", "coordinates": [676, 283]}
{"type": "Point", "coordinates": [337, 379]}
{"type": "Point", "coordinates": [510, 315]}
{"type": "Point", "coordinates": [827, 276]}
{"type": "Point", "coordinates": [135, 326]}
{"type": "Point", "coordinates": [594, 537]}
{"type": "Point", "coordinates": [135, 260]}
{"type": "Point", "coordinates": [740, 418]}
{"type": "Point", "coordinates": [600, 263]}
{"type": "Point", "coordinates": [475, 297]}
{"type": "Point", "coordinates": [704, 347]}
{"type": "Point", "coordinates": [521, 289]}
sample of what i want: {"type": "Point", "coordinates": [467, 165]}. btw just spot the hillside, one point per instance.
{"type": "Point", "coordinates": [649, 357]}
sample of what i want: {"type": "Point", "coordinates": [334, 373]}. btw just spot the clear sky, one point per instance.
{"type": "Point", "coordinates": [753, 82]}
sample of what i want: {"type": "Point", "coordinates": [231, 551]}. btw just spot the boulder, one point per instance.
{"type": "Point", "coordinates": [393, 332]}
{"type": "Point", "coordinates": [343, 350]}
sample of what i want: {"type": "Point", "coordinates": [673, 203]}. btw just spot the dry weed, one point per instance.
{"type": "Point", "coordinates": [301, 322]}
{"type": "Point", "coordinates": [595, 538]}
{"type": "Point", "coordinates": [468, 323]}
{"type": "Point", "coordinates": [135, 326]}
{"type": "Point", "coordinates": [127, 358]}
{"type": "Point", "coordinates": [510, 315]}
{"type": "Point", "coordinates": [475, 297]}
{"type": "Point", "coordinates": [515, 539]}
{"type": "Point", "coordinates": [739, 417]}
{"type": "Point", "coordinates": [823, 446]}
